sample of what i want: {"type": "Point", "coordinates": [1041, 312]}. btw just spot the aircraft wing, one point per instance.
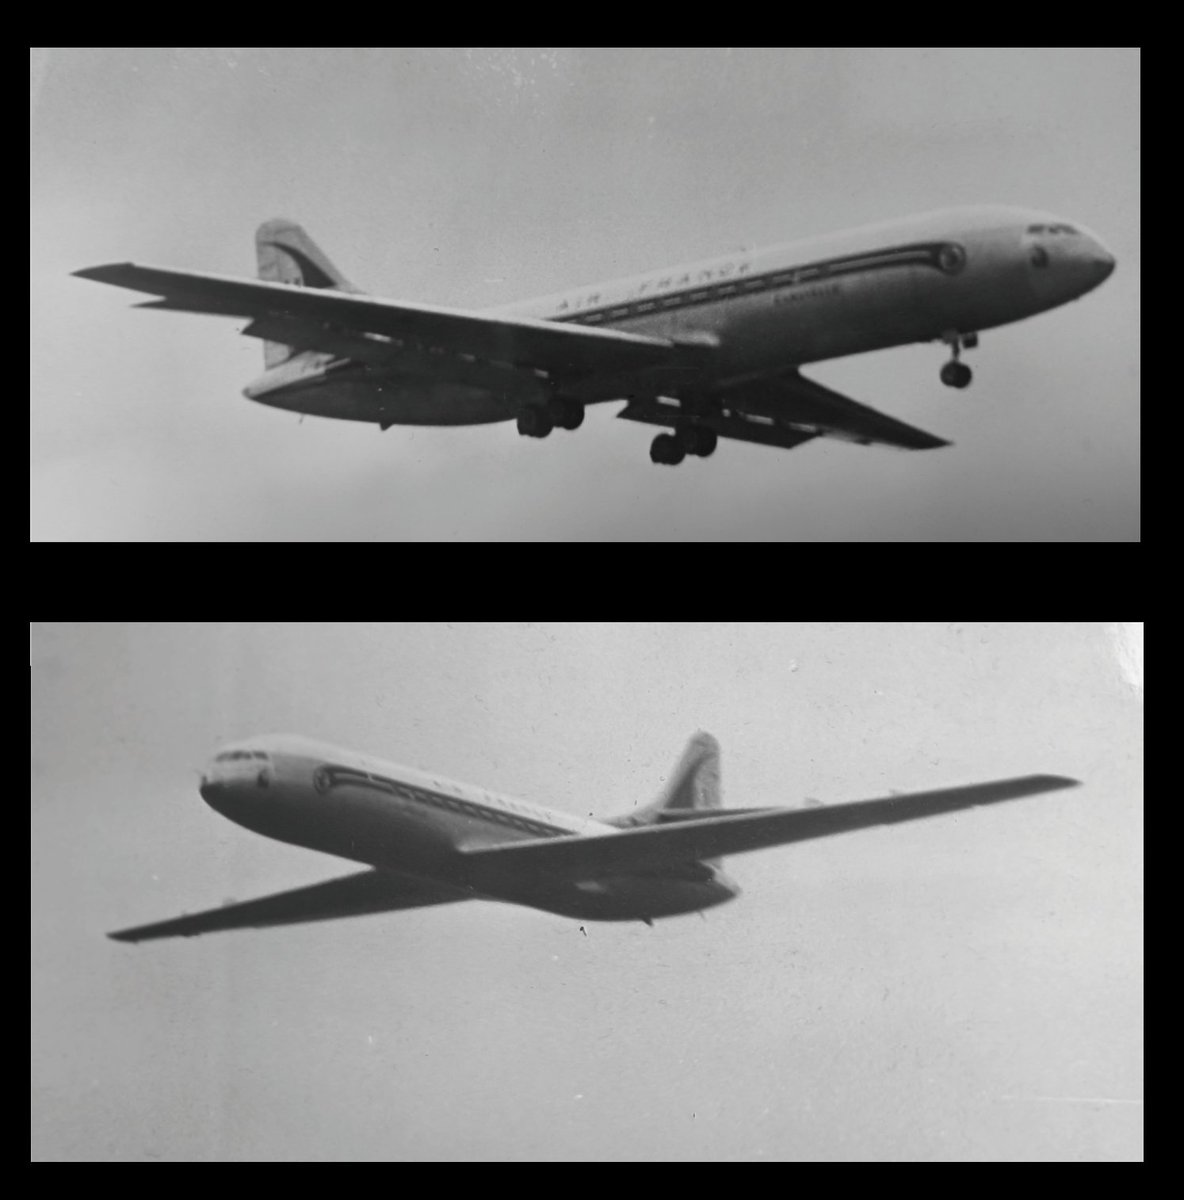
{"type": "Point", "coordinates": [786, 410]}
{"type": "Point", "coordinates": [793, 399]}
{"type": "Point", "coordinates": [319, 318]}
{"type": "Point", "coordinates": [690, 840]}
{"type": "Point", "coordinates": [349, 896]}
{"type": "Point", "coordinates": [738, 426]}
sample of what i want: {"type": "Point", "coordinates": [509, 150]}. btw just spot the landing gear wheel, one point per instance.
{"type": "Point", "coordinates": [667, 449]}
{"type": "Point", "coordinates": [534, 422]}
{"type": "Point", "coordinates": [697, 440]}
{"type": "Point", "coordinates": [956, 375]}
{"type": "Point", "coordinates": [566, 414]}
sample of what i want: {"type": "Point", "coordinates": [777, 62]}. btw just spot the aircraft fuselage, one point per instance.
{"type": "Point", "coordinates": [917, 279]}
{"type": "Point", "coordinates": [395, 818]}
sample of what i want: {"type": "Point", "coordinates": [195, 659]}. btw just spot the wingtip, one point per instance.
{"type": "Point", "coordinates": [102, 272]}
{"type": "Point", "coordinates": [1032, 784]}
{"type": "Point", "coordinates": [1060, 781]}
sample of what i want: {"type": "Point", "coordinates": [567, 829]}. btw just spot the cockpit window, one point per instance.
{"type": "Point", "coordinates": [240, 755]}
{"type": "Point", "coordinates": [1051, 229]}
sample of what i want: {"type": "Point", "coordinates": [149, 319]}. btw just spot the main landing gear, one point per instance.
{"type": "Point", "coordinates": [672, 448]}
{"type": "Point", "coordinates": [539, 419]}
{"type": "Point", "coordinates": [954, 373]}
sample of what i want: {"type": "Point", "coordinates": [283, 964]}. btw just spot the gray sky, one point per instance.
{"type": "Point", "coordinates": [968, 987]}
{"type": "Point", "coordinates": [480, 177]}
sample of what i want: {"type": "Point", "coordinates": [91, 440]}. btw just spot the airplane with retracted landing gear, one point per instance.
{"type": "Point", "coordinates": [427, 840]}
{"type": "Point", "coordinates": [709, 349]}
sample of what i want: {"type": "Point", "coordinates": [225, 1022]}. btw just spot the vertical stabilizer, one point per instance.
{"type": "Point", "coordinates": [693, 786]}
{"type": "Point", "coordinates": [288, 255]}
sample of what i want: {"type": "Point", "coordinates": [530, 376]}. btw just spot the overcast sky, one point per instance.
{"type": "Point", "coordinates": [968, 987]}
{"type": "Point", "coordinates": [480, 177]}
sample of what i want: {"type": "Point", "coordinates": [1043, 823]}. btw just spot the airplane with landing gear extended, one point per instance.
{"type": "Point", "coordinates": [427, 840]}
{"type": "Point", "coordinates": [710, 349]}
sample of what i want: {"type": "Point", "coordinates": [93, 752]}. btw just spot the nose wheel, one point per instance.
{"type": "Point", "coordinates": [957, 374]}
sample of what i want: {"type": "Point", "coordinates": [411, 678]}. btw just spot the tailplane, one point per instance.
{"type": "Point", "coordinates": [288, 255]}
{"type": "Point", "coordinates": [693, 789]}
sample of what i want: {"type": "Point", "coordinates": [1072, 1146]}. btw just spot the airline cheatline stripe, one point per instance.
{"type": "Point", "coordinates": [947, 257]}
{"type": "Point", "coordinates": [330, 776]}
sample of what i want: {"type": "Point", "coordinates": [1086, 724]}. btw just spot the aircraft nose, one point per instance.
{"type": "Point", "coordinates": [1098, 261]}
{"type": "Point", "coordinates": [213, 792]}
{"type": "Point", "coordinates": [1102, 263]}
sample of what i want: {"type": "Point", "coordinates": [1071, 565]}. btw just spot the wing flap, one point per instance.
{"type": "Point", "coordinates": [690, 840]}
{"type": "Point", "coordinates": [794, 399]}
{"type": "Point", "coordinates": [518, 341]}
{"type": "Point", "coordinates": [303, 335]}
{"type": "Point", "coordinates": [349, 896]}
{"type": "Point", "coordinates": [739, 427]}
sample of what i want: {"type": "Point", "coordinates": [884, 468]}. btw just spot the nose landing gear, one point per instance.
{"type": "Point", "coordinates": [954, 373]}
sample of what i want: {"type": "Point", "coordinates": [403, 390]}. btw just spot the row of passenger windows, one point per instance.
{"type": "Point", "coordinates": [679, 299]}
{"type": "Point", "coordinates": [477, 810]}
{"type": "Point", "coordinates": [1051, 229]}
{"type": "Point", "coordinates": [755, 283]}
{"type": "Point", "coordinates": [239, 755]}
{"type": "Point", "coordinates": [455, 804]}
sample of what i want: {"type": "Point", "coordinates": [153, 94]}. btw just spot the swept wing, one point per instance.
{"type": "Point", "coordinates": [320, 318]}
{"type": "Point", "coordinates": [349, 896]}
{"type": "Point", "coordinates": [786, 410]}
{"type": "Point", "coordinates": [691, 840]}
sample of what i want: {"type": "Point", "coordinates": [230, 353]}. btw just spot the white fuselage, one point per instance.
{"type": "Point", "coordinates": [396, 818]}
{"type": "Point", "coordinates": [911, 280]}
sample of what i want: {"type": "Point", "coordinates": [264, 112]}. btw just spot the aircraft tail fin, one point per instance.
{"type": "Point", "coordinates": [693, 788]}
{"type": "Point", "coordinates": [287, 254]}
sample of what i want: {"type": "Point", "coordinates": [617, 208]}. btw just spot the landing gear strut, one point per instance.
{"type": "Point", "coordinates": [954, 373]}
{"type": "Point", "coordinates": [672, 448]}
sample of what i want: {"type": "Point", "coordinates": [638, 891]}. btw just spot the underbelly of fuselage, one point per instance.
{"type": "Point", "coordinates": [394, 400]}
{"type": "Point", "coordinates": [613, 898]}
{"type": "Point", "coordinates": [372, 827]}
